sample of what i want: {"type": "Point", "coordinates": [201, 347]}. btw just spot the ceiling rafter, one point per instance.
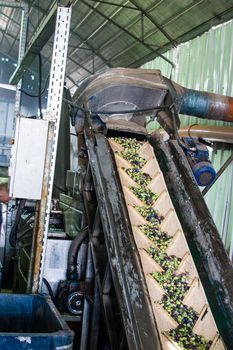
{"type": "Point", "coordinates": [96, 52]}
{"type": "Point", "coordinates": [136, 11]}
{"type": "Point", "coordinates": [6, 30]}
{"type": "Point", "coordinates": [160, 28]}
{"type": "Point", "coordinates": [78, 36]}
{"type": "Point", "coordinates": [225, 15]}
{"type": "Point", "coordinates": [47, 60]}
{"type": "Point", "coordinates": [7, 34]}
{"type": "Point", "coordinates": [29, 11]}
{"type": "Point", "coordinates": [114, 4]}
{"type": "Point", "coordinates": [128, 33]}
{"type": "Point", "coordinates": [110, 20]}
{"type": "Point", "coordinates": [79, 64]}
{"type": "Point", "coordinates": [72, 80]}
{"type": "Point", "coordinates": [137, 7]}
{"type": "Point", "coordinates": [75, 70]}
{"type": "Point", "coordinates": [152, 32]}
{"type": "Point", "coordinates": [174, 17]}
{"type": "Point", "coordinates": [6, 37]}
{"type": "Point", "coordinates": [85, 17]}
{"type": "Point", "coordinates": [15, 41]}
{"type": "Point", "coordinates": [10, 18]}
{"type": "Point", "coordinates": [132, 22]}
{"type": "Point", "coordinates": [97, 29]}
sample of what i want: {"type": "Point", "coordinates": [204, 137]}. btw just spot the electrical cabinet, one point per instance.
{"type": "Point", "coordinates": [28, 158]}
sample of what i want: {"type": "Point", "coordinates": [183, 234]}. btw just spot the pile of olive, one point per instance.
{"type": "Point", "coordinates": [174, 284]}
{"type": "Point", "coordinates": [130, 151]}
{"type": "Point", "coordinates": [133, 158]}
{"type": "Point", "coordinates": [144, 194]}
{"type": "Point", "coordinates": [149, 214]}
{"type": "Point", "coordinates": [168, 263]}
{"type": "Point", "coordinates": [128, 143]}
{"type": "Point", "coordinates": [160, 239]}
{"type": "Point", "coordinates": [138, 176]}
{"type": "Point", "coordinates": [188, 340]}
{"type": "Point", "coordinates": [181, 313]}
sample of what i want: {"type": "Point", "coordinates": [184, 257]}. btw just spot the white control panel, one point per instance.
{"type": "Point", "coordinates": [27, 158]}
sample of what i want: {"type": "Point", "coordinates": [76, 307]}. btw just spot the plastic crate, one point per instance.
{"type": "Point", "coordinates": [32, 322]}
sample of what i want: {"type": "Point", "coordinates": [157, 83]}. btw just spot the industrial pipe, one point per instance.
{"type": "Point", "coordinates": [201, 104]}
{"type": "Point", "coordinates": [208, 132]}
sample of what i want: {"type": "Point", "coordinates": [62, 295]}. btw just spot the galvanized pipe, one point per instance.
{"type": "Point", "coordinates": [208, 132]}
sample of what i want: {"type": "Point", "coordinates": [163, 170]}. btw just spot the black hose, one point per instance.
{"type": "Point", "coordinates": [25, 233]}
{"type": "Point", "coordinates": [49, 290]}
{"type": "Point", "coordinates": [73, 252]}
{"type": "Point", "coordinates": [43, 90]}
{"type": "Point", "coordinates": [24, 223]}
{"type": "Point", "coordinates": [82, 260]}
{"type": "Point", "coordinates": [14, 229]}
{"type": "Point", "coordinates": [87, 307]}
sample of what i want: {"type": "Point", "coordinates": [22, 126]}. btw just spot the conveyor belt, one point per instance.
{"type": "Point", "coordinates": [178, 299]}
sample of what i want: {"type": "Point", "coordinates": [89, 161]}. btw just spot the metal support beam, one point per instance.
{"type": "Point", "coordinates": [219, 173]}
{"type": "Point", "coordinates": [22, 41]}
{"type": "Point", "coordinates": [57, 76]}
{"type": "Point", "coordinates": [117, 5]}
{"type": "Point", "coordinates": [127, 32]}
{"type": "Point", "coordinates": [37, 42]}
{"type": "Point", "coordinates": [14, 4]}
{"type": "Point", "coordinates": [22, 46]}
{"type": "Point", "coordinates": [150, 17]}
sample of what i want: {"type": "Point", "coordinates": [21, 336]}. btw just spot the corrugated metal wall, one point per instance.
{"type": "Point", "coordinates": [206, 63]}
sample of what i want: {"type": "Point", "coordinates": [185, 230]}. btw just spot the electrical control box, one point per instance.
{"type": "Point", "coordinates": [55, 263]}
{"type": "Point", "coordinates": [28, 158]}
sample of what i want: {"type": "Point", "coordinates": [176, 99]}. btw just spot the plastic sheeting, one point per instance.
{"type": "Point", "coordinates": [206, 63]}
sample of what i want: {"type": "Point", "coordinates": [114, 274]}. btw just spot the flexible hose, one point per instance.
{"type": "Point", "coordinates": [14, 229]}
{"type": "Point", "coordinates": [73, 252]}
{"type": "Point", "coordinates": [49, 290]}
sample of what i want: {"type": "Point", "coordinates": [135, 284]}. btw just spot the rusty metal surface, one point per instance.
{"type": "Point", "coordinates": [206, 105]}
{"type": "Point", "coordinates": [38, 232]}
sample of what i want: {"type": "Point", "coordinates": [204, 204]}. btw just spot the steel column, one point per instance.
{"type": "Point", "coordinates": [57, 76]}
{"type": "Point", "coordinates": [22, 46]}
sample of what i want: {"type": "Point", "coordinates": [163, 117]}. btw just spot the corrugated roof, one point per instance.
{"type": "Point", "coordinates": [118, 32]}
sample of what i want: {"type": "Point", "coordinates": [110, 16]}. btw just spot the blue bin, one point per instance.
{"type": "Point", "coordinates": [31, 322]}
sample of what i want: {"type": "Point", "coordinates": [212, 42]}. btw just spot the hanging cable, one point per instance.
{"type": "Point", "coordinates": [39, 85]}
{"type": "Point", "coordinates": [149, 109]}
{"type": "Point", "coordinates": [42, 92]}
